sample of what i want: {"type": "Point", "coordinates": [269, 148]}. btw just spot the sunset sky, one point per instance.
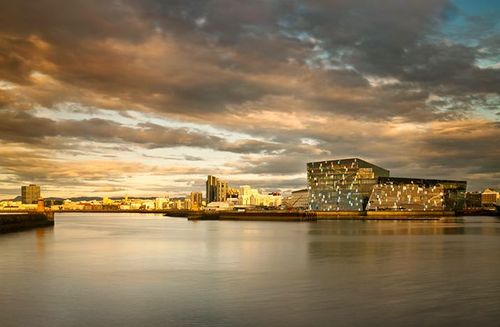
{"type": "Point", "coordinates": [147, 97]}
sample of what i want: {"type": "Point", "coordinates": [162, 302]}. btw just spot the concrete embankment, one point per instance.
{"type": "Point", "coordinates": [340, 215]}
{"type": "Point", "coordinates": [383, 215]}
{"type": "Point", "coordinates": [408, 215]}
{"type": "Point", "coordinates": [254, 216]}
{"type": "Point", "coordinates": [314, 216]}
{"type": "Point", "coordinates": [14, 222]}
{"type": "Point", "coordinates": [166, 212]}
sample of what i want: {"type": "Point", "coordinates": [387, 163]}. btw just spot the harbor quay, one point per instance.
{"type": "Point", "coordinates": [13, 222]}
{"type": "Point", "coordinates": [320, 215]}
{"type": "Point", "coordinates": [18, 221]}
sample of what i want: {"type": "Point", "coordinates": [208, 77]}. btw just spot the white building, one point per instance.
{"type": "Point", "coordinates": [252, 197]}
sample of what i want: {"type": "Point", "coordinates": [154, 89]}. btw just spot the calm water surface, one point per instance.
{"type": "Point", "coordinates": [146, 270]}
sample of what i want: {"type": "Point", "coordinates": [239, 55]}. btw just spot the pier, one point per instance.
{"type": "Point", "coordinates": [13, 222]}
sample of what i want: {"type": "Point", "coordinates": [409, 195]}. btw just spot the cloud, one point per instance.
{"type": "Point", "coordinates": [164, 62]}
{"type": "Point", "coordinates": [21, 126]}
{"type": "Point", "coordinates": [409, 85]}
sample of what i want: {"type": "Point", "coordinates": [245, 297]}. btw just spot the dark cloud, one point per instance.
{"type": "Point", "coordinates": [19, 57]}
{"type": "Point", "coordinates": [306, 80]}
{"type": "Point", "coordinates": [23, 127]}
{"type": "Point", "coordinates": [4, 99]}
{"type": "Point", "coordinates": [189, 57]}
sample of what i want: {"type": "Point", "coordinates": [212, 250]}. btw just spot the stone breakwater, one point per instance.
{"type": "Point", "coordinates": [14, 222]}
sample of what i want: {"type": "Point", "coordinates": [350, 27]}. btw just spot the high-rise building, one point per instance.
{"type": "Point", "coordinates": [195, 200]}
{"type": "Point", "coordinates": [407, 194]}
{"type": "Point", "coordinates": [30, 194]}
{"type": "Point", "coordinates": [344, 184]}
{"type": "Point", "coordinates": [216, 190]}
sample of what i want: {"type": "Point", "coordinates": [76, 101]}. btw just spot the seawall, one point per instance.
{"type": "Point", "coordinates": [318, 215]}
{"type": "Point", "coordinates": [14, 222]}
{"type": "Point", "coordinates": [254, 216]}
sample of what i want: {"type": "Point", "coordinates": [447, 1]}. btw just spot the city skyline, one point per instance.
{"type": "Point", "coordinates": [150, 97]}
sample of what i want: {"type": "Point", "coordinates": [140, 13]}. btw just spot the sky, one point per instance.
{"type": "Point", "coordinates": [148, 97]}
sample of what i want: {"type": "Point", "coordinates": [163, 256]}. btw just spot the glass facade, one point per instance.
{"type": "Point", "coordinates": [407, 194]}
{"type": "Point", "coordinates": [338, 185]}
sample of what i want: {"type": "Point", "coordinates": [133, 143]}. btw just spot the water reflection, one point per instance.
{"type": "Point", "coordinates": [142, 270]}
{"type": "Point", "coordinates": [387, 228]}
{"type": "Point", "coordinates": [43, 235]}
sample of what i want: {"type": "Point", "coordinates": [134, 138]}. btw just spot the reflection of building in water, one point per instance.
{"type": "Point", "coordinates": [395, 193]}
{"type": "Point", "coordinates": [344, 184]}
{"type": "Point", "coordinates": [325, 242]}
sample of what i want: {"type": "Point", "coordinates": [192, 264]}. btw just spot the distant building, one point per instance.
{"type": "Point", "coordinates": [219, 206]}
{"type": "Point", "coordinates": [489, 197]}
{"type": "Point", "coordinates": [216, 189]}
{"type": "Point", "coordinates": [249, 196]}
{"type": "Point", "coordinates": [161, 203]}
{"type": "Point", "coordinates": [473, 200]}
{"type": "Point", "coordinates": [407, 194]}
{"type": "Point", "coordinates": [344, 184]}
{"type": "Point", "coordinates": [195, 201]}
{"type": "Point", "coordinates": [299, 199]}
{"type": "Point", "coordinates": [107, 201]}
{"type": "Point", "coordinates": [30, 194]}
{"type": "Point", "coordinates": [232, 194]}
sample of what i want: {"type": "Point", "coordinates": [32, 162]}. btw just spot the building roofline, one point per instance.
{"type": "Point", "coordinates": [350, 159]}
{"type": "Point", "coordinates": [421, 179]}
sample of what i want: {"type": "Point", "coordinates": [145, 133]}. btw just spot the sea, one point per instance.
{"type": "Point", "coordinates": [114, 269]}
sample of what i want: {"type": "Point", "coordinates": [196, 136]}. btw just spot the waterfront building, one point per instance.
{"type": "Point", "coordinates": [473, 200]}
{"type": "Point", "coordinates": [216, 189]}
{"type": "Point", "coordinates": [195, 201]}
{"type": "Point", "coordinates": [489, 197]}
{"type": "Point", "coordinates": [407, 194]}
{"type": "Point", "coordinates": [299, 199]}
{"type": "Point", "coordinates": [161, 203]}
{"type": "Point", "coordinates": [344, 184]}
{"type": "Point", "coordinates": [219, 206]}
{"type": "Point", "coordinates": [107, 201]}
{"type": "Point", "coordinates": [148, 204]}
{"type": "Point", "coordinates": [232, 194]}
{"type": "Point", "coordinates": [30, 194]}
{"type": "Point", "coordinates": [249, 196]}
